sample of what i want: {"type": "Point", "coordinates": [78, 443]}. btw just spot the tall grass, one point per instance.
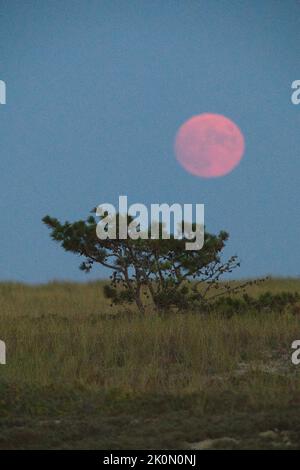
{"type": "Point", "coordinates": [60, 334]}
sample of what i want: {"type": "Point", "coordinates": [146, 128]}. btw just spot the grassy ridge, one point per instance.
{"type": "Point", "coordinates": [76, 367]}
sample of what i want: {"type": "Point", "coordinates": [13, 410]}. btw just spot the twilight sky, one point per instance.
{"type": "Point", "coordinates": [96, 91]}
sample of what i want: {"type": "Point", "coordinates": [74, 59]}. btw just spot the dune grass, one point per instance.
{"type": "Point", "coordinates": [79, 367]}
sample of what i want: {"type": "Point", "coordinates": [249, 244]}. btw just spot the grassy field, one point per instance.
{"type": "Point", "coordinates": [81, 374]}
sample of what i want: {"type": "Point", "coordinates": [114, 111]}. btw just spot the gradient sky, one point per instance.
{"type": "Point", "coordinates": [96, 91]}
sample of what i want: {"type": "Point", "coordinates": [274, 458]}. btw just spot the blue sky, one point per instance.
{"type": "Point", "coordinates": [96, 92]}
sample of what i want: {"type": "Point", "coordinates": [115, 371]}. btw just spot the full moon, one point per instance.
{"type": "Point", "coordinates": [209, 145]}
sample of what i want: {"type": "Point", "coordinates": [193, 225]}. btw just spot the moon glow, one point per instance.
{"type": "Point", "coordinates": [209, 145]}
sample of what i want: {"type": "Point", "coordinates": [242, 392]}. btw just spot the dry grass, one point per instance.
{"type": "Point", "coordinates": [60, 335]}
{"type": "Point", "coordinates": [59, 332]}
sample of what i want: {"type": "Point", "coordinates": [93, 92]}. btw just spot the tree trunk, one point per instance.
{"type": "Point", "coordinates": [138, 300]}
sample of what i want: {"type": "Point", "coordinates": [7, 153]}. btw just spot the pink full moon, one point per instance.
{"type": "Point", "coordinates": [209, 145]}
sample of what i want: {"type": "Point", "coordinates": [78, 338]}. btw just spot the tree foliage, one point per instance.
{"type": "Point", "coordinates": [160, 270]}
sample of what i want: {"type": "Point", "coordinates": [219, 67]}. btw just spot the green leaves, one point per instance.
{"type": "Point", "coordinates": [160, 269]}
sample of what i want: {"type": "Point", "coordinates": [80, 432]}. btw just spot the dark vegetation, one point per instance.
{"type": "Point", "coordinates": [164, 271]}
{"type": "Point", "coordinates": [159, 269]}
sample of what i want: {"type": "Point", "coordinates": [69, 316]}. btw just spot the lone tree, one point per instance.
{"type": "Point", "coordinates": [158, 269]}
